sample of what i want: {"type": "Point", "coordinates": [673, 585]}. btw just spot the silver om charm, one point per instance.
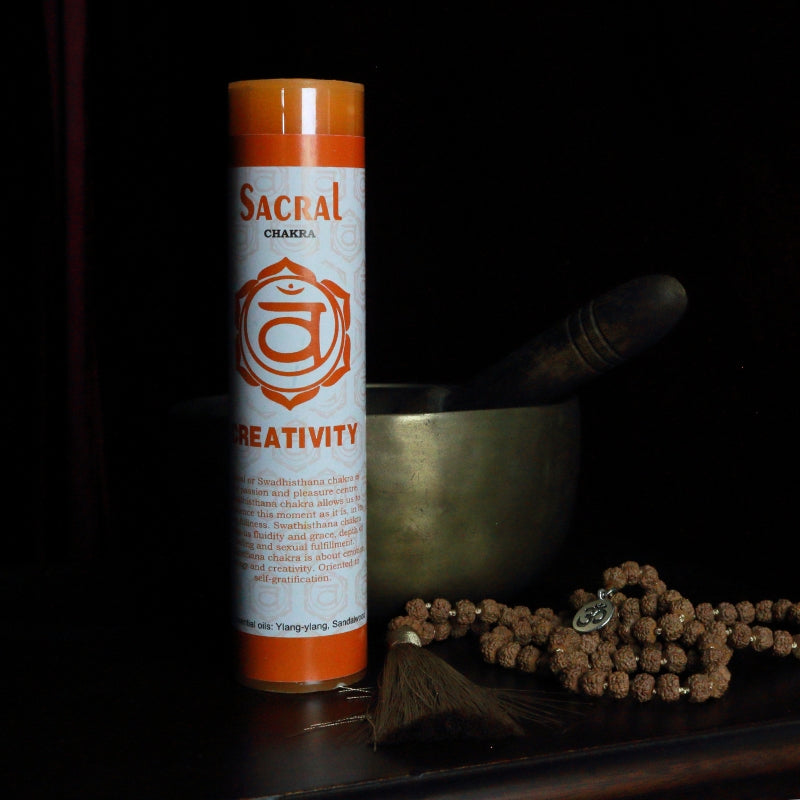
{"type": "Point", "coordinates": [595, 614]}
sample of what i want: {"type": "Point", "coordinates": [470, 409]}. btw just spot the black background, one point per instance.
{"type": "Point", "coordinates": [520, 160]}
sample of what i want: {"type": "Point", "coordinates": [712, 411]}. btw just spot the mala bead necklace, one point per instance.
{"type": "Point", "coordinates": [634, 638]}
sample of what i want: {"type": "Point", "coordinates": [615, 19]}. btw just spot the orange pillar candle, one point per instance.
{"type": "Point", "coordinates": [298, 383]}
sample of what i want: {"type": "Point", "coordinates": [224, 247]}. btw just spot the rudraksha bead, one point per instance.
{"type": "Point", "coordinates": [591, 642]}
{"type": "Point", "coordinates": [782, 643]}
{"type": "Point", "coordinates": [700, 687]}
{"type": "Point", "coordinates": [762, 638]}
{"type": "Point", "coordinates": [764, 612]}
{"type": "Point", "coordinates": [625, 633]}
{"type": "Point", "coordinates": [540, 629]}
{"type": "Point", "coordinates": [648, 578]}
{"type": "Point", "coordinates": [671, 626]}
{"type": "Point", "coordinates": [565, 639]}
{"type": "Point", "coordinates": [720, 680]}
{"type": "Point", "coordinates": [668, 687]}
{"type": "Point", "coordinates": [717, 631]}
{"type": "Point", "coordinates": [726, 613]}
{"type": "Point", "coordinates": [615, 578]}
{"type": "Point", "coordinates": [650, 658]}
{"type": "Point", "coordinates": [608, 632]}
{"type": "Point", "coordinates": [643, 686]}
{"type": "Point", "coordinates": [465, 612]}
{"type": "Point", "coordinates": [441, 631]}
{"type": "Point", "coordinates": [404, 622]}
{"type": "Point", "coordinates": [546, 613]}
{"type": "Point", "coordinates": [619, 685]}
{"type": "Point", "coordinates": [633, 572]}
{"type": "Point", "coordinates": [779, 609]}
{"type": "Point", "coordinates": [715, 656]}
{"type": "Point", "coordinates": [692, 631]}
{"type": "Point", "coordinates": [601, 659]}
{"type": "Point", "coordinates": [522, 630]}
{"type": "Point", "coordinates": [580, 597]}
{"type": "Point", "coordinates": [570, 678]}
{"type": "Point", "coordinates": [509, 617]}
{"type": "Point", "coordinates": [644, 630]}
{"type": "Point", "coordinates": [440, 610]}
{"type": "Point", "coordinates": [426, 632]}
{"type": "Point", "coordinates": [649, 604]}
{"type": "Point", "coordinates": [417, 608]}
{"type": "Point", "coordinates": [490, 644]}
{"type": "Point", "coordinates": [507, 654]}
{"type": "Point", "coordinates": [740, 635]}
{"type": "Point", "coordinates": [705, 613]}
{"type": "Point", "coordinates": [630, 610]}
{"type": "Point", "coordinates": [683, 608]}
{"type": "Point", "coordinates": [675, 657]}
{"type": "Point", "coordinates": [626, 659]}
{"type": "Point", "coordinates": [593, 682]}
{"type": "Point", "coordinates": [667, 599]}
{"type": "Point", "coordinates": [746, 611]}
{"type": "Point", "coordinates": [528, 658]}
{"type": "Point", "coordinates": [568, 659]}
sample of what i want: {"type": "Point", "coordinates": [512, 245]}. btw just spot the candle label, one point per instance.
{"type": "Point", "coordinates": [298, 400]}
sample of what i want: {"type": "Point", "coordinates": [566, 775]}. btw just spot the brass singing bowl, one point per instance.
{"type": "Point", "coordinates": [464, 504]}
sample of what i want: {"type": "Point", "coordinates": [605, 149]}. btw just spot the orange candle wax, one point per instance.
{"type": "Point", "coordinates": [297, 386]}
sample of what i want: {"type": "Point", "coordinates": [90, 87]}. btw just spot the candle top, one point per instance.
{"type": "Point", "coordinates": [296, 105]}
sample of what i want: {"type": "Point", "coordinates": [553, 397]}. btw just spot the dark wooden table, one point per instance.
{"type": "Point", "coordinates": [136, 710]}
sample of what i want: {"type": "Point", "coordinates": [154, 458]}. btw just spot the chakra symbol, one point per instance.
{"type": "Point", "coordinates": [291, 333]}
